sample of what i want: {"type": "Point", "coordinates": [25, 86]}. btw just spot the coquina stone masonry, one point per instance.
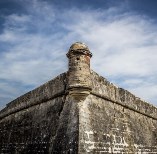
{"type": "Point", "coordinates": [79, 76]}
{"type": "Point", "coordinates": [78, 112]}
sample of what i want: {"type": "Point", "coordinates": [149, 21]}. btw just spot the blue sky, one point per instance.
{"type": "Point", "coordinates": [36, 35]}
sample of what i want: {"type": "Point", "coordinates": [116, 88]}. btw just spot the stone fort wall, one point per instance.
{"type": "Point", "coordinates": [112, 120]}
{"type": "Point", "coordinates": [78, 112]}
{"type": "Point", "coordinates": [29, 124]}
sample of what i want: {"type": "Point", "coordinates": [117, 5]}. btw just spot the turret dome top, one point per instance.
{"type": "Point", "coordinates": [79, 48]}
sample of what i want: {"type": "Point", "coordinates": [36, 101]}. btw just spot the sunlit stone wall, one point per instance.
{"type": "Point", "coordinates": [112, 120]}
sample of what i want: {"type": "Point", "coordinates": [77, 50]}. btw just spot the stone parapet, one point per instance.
{"type": "Point", "coordinates": [45, 92]}
{"type": "Point", "coordinates": [103, 88]}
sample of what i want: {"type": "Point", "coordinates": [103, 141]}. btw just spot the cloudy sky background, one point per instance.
{"type": "Point", "coordinates": [36, 35]}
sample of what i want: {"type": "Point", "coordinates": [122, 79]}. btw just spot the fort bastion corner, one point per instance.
{"type": "Point", "coordinates": [78, 112]}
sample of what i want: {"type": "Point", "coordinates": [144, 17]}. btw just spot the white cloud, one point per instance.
{"type": "Point", "coordinates": [124, 46]}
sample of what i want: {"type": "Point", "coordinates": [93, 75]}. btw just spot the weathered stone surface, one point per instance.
{"type": "Point", "coordinates": [103, 88]}
{"type": "Point", "coordinates": [79, 69]}
{"type": "Point", "coordinates": [111, 128]}
{"type": "Point", "coordinates": [39, 95]}
{"type": "Point", "coordinates": [78, 112]}
{"type": "Point", "coordinates": [66, 140]}
{"type": "Point", "coordinates": [31, 130]}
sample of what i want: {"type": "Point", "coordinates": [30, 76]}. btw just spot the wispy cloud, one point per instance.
{"type": "Point", "coordinates": [123, 44]}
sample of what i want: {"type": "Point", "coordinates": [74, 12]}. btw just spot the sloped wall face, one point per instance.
{"type": "Point", "coordinates": [110, 122]}
{"type": "Point", "coordinates": [108, 127]}
{"type": "Point", "coordinates": [66, 139]}
{"type": "Point", "coordinates": [31, 130]}
{"type": "Point", "coordinates": [32, 122]}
